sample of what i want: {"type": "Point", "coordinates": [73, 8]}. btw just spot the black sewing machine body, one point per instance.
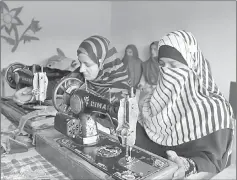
{"type": "Point", "coordinates": [19, 75]}
{"type": "Point", "coordinates": [83, 112]}
{"type": "Point", "coordinates": [89, 102]}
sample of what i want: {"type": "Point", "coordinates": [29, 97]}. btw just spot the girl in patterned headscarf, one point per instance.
{"type": "Point", "coordinates": [104, 72]}
{"type": "Point", "coordinates": [186, 118]}
{"type": "Point", "coordinates": [134, 64]}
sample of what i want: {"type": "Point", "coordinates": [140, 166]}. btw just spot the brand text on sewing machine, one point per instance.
{"type": "Point", "coordinates": [98, 105]}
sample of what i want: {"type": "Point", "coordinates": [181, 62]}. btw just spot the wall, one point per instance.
{"type": "Point", "coordinates": [64, 25]}
{"type": "Point", "coordinates": [213, 24]}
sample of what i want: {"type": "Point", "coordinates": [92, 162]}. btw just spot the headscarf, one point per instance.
{"type": "Point", "coordinates": [186, 104]}
{"type": "Point", "coordinates": [151, 68]}
{"type": "Point", "coordinates": [112, 77]}
{"type": "Point", "coordinates": [134, 65]}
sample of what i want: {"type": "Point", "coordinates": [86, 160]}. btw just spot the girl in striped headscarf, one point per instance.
{"type": "Point", "coordinates": [102, 70]}
{"type": "Point", "coordinates": [103, 73]}
{"type": "Point", "coordinates": [186, 118]}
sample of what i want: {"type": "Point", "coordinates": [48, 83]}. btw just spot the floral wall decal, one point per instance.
{"type": "Point", "coordinates": [10, 21]}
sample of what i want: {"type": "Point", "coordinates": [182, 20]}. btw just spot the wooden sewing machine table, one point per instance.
{"type": "Point", "coordinates": [82, 162]}
{"type": "Point", "coordinates": [13, 113]}
{"type": "Point", "coordinates": [68, 162]}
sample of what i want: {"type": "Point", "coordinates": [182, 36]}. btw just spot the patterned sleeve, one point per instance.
{"type": "Point", "coordinates": [189, 166]}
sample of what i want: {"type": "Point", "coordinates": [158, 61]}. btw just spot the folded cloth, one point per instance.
{"type": "Point", "coordinates": [48, 111]}
{"type": "Point", "coordinates": [12, 140]}
{"type": "Point", "coordinates": [32, 168]}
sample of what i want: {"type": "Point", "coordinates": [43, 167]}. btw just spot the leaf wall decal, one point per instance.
{"type": "Point", "coordinates": [9, 40]}
{"type": "Point", "coordinates": [27, 38]}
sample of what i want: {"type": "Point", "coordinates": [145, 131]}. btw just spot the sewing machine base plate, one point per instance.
{"type": "Point", "coordinates": [102, 161]}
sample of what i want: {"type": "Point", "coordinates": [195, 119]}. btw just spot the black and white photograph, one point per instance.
{"type": "Point", "coordinates": [118, 90]}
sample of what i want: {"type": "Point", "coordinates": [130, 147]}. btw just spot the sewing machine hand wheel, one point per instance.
{"type": "Point", "coordinates": [10, 71]}
{"type": "Point", "coordinates": [61, 93]}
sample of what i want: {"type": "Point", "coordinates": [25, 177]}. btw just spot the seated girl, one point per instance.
{"type": "Point", "coordinates": [104, 72]}
{"type": "Point", "coordinates": [151, 66]}
{"type": "Point", "coordinates": [100, 68]}
{"type": "Point", "coordinates": [134, 64]}
{"type": "Point", "coordinates": [186, 118]}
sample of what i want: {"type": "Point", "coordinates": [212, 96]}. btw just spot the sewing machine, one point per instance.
{"type": "Point", "coordinates": [20, 77]}
{"type": "Point", "coordinates": [114, 154]}
{"type": "Point", "coordinates": [79, 123]}
{"type": "Point", "coordinates": [79, 112]}
{"type": "Point", "coordinates": [19, 109]}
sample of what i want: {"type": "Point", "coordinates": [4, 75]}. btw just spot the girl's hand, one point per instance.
{"type": "Point", "coordinates": [180, 173]}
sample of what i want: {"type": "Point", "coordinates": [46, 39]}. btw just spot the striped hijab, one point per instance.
{"type": "Point", "coordinates": [186, 104]}
{"type": "Point", "coordinates": [113, 75]}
